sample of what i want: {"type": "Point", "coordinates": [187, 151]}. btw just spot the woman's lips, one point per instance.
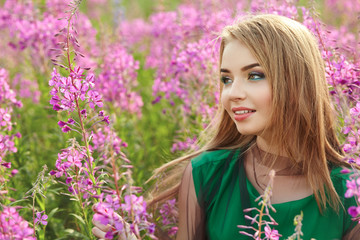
{"type": "Point", "coordinates": [241, 113]}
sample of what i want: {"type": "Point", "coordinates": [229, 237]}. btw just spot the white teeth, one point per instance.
{"type": "Point", "coordinates": [243, 111]}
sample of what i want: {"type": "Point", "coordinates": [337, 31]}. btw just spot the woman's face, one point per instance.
{"type": "Point", "coordinates": [246, 94]}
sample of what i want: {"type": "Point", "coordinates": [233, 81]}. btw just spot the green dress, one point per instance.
{"type": "Point", "coordinates": [223, 190]}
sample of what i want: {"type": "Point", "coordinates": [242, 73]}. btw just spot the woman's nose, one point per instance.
{"type": "Point", "coordinates": [238, 90]}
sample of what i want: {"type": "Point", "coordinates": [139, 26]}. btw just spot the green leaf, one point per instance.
{"type": "Point", "coordinates": [51, 214]}
{"type": "Point", "coordinates": [74, 235]}
{"type": "Point", "coordinates": [79, 218]}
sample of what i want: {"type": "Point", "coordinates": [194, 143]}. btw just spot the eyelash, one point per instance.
{"type": "Point", "coordinates": [223, 79]}
{"type": "Point", "coordinates": [260, 76]}
{"type": "Point", "coordinates": [252, 76]}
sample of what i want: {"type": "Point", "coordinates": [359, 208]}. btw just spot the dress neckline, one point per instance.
{"type": "Point", "coordinates": [253, 193]}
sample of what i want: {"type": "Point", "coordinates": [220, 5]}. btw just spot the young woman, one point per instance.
{"type": "Point", "coordinates": [275, 113]}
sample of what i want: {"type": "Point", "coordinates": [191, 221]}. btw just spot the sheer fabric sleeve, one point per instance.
{"type": "Point", "coordinates": [191, 216]}
{"type": "Point", "coordinates": [354, 234]}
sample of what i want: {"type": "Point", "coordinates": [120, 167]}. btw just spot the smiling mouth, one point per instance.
{"type": "Point", "coordinates": [243, 112]}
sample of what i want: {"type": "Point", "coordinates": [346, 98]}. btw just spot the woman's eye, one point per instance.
{"type": "Point", "coordinates": [226, 80]}
{"type": "Point", "coordinates": [255, 76]}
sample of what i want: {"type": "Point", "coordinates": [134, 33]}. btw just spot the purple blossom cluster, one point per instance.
{"type": "Point", "coordinates": [105, 140]}
{"type": "Point", "coordinates": [169, 216]}
{"type": "Point", "coordinates": [349, 10]}
{"type": "Point", "coordinates": [13, 226]}
{"type": "Point", "coordinates": [69, 158]}
{"type": "Point", "coordinates": [25, 30]}
{"type": "Point", "coordinates": [352, 133]}
{"type": "Point", "coordinates": [189, 143]}
{"type": "Point", "coordinates": [24, 27]}
{"type": "Point", "coordinates": [182, 50]}
{"type": "Point", "coordinates": [133, 220]}
{"type": "Point", "coordinates": [344, 77]}
{"type": "Point", "coordinates": [342, 71]}
{"type": "Point", "coordinates": [118, 80]}
{"type": "Point", "coordinates": [8, 101]}
{"type": "Point", "coordinates": [351, 148]}
{"type": "Point", "coordinates": [26, 88]}
{"type": "Point", "coordinates": [133, 33]}
{"type": "Point", "coordinates": [353, 191]}
{"type": "Point", "coordinates": [56, 7]}
{"type": "Point", "coordinates": [68, 91]}
{"type": "Point", "coordinates": [73, 164]}
{"type": "Point", "coordinates": [7, 95]}
{"type": "Point", "coordinates": [189, 70]}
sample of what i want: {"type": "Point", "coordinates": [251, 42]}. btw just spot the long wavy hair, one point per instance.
{"type": "Point", "coordinates": [302, 121]}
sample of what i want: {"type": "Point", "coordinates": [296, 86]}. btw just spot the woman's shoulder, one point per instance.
{"type": "Point", "coordinates": [210, 168]}
{"type": "Point", "coordinates": [212, 157]}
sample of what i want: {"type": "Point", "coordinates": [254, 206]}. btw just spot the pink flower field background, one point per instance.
{"type": "Point", "coordinates": [94, 95]}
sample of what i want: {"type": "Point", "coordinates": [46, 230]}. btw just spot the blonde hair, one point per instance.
{"type": "Point", "coordinates": [302, 121]}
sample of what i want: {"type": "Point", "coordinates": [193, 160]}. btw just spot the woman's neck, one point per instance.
{"type": "Point", "coordinates": [273, 158]}
{"type": "Point", "coordinates": [266, 146]}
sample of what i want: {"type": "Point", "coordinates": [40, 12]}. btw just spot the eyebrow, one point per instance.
{"type": "Point", "coordinates": [250, 66]}
{"type": "Point", "coordinates": [247, 67]}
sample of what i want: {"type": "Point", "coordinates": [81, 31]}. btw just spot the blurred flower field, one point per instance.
{"type": "Point", "coordinates": [96, 94]}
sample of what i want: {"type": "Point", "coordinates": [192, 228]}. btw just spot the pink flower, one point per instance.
{"type": "Point", "coordinates": [352, 188]}
{"type": "Point", "coordinates": [13, 226]}
{"type": "Point", "coordinates": [66, 129]}
{"type": "Point", "coordinates": [134, 203]}
{"type": "Point", "coordinates": [41, 218]}
{"type": "Point", "coordinates": [271, 234]}
{"type": "Point", "coordinates": [354, 211]}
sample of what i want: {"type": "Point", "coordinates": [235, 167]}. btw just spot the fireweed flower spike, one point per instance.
{"type": "Point", "coordinates": [12, 225]}
{"type": "Point", "coordinates": [119, 206]}
{"type": "Point", "coordinates": [298, 225]}
{"type": "Point", "coordinates": [262, 219]}
{"type": "Point", "coordinates": [8, 102]}
{"type": "Point", "coordinates": [76, 95]}
{"type": "Point", "coordinates": [134, 217]}
{"type": "Point", "coordinates": [352, 133]}
{"type": "Point", "coordinates": [86, 178]}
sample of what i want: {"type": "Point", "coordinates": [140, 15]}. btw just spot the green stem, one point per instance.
{"type": "Point", "coordinates": [68, 43]}
{"type": "Point", "coordinates": [260, 220]}
{"type": "Point", "coordinates": [33, 210]}
{"type": "Point", "coordinates": [83, 131]}
{"type": "Point", "coordinates": [79, 197]}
